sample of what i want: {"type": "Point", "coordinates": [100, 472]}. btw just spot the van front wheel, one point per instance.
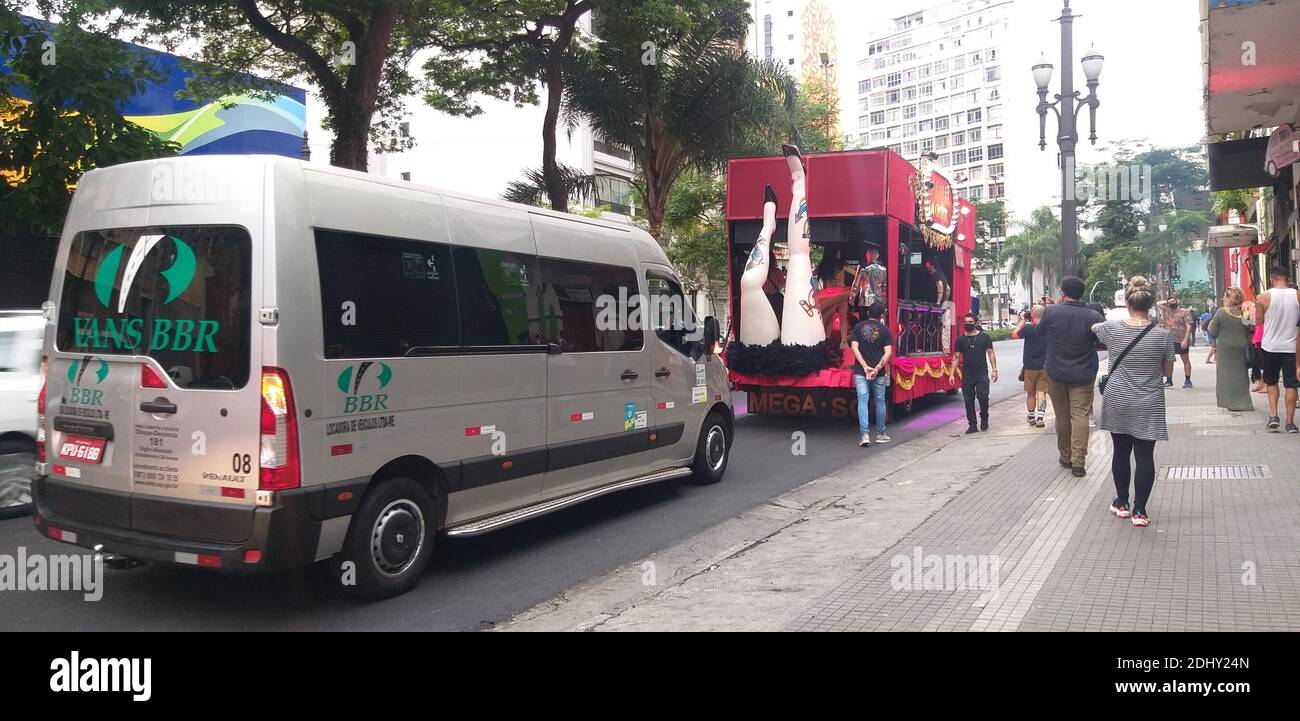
{"type": "Point", "coordinates": [712, 452]}
{"type": "Point", "coordinates": [389, 542]}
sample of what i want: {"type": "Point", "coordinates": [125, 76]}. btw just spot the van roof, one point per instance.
{"type": "Point", "coordinates": [646, 246]}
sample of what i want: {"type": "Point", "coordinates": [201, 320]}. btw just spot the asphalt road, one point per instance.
{"type": "Point", "coordinates": [474, 583]}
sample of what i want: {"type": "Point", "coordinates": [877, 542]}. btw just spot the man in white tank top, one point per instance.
{"type": "Point", "coordinates": [1278, 310]}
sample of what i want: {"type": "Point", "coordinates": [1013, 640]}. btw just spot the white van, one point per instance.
{"type": "Point", "coordinates": [260, 363]}
{"type": "Point", "coordinates": [20, 382]}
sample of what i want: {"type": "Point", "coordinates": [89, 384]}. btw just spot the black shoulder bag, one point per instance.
{"type": "Point", "coordinates": [1101, 382]}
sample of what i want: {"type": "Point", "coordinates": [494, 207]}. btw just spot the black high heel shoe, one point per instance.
{"type": "Point", "coordinates": [769, 195]}
{"type": "Point", "coordinates": [788, 150]}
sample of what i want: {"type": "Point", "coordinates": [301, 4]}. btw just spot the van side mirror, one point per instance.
{"type": "Point", "coordinates": [712, 333]}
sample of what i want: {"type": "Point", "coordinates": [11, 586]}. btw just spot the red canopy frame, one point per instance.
{"type": "Point", "coordinates": [849, 193]}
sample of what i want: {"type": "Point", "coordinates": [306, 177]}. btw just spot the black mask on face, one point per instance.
{"type": "Point", "coordinates": [970, 326]}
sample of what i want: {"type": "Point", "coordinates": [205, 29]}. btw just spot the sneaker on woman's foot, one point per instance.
{"type": "Point", "coordinates": [1029, 418]}
{"type": "Point", "coordinates": [1140, 519]}
{"type": "Point", "coordinates": [865, 441]}
{"type": "Point", "coordinates": [1038, 421]}
{"type": "Point", "coordinates": [882, 438]}
{"type": "Point", "coordinates": [1290, 428]}
{"type": "Point", "coordinates": [1120, 509]}
{"type": "Point", "coordinates": [1273, 423]}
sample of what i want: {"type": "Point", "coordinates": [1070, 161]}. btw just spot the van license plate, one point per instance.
{"type": "Point", "coordinates": [80, 448]}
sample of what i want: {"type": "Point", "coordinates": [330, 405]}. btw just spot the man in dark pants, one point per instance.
{"type": "Point", "coordinates": [1071, 368]}
{"type": "Point", "coordinates": [977, 356]}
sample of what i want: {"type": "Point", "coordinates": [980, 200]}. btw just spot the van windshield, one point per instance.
{"type": "Point", "coordinates": [177, 294]}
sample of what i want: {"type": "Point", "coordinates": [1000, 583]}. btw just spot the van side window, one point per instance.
{"type": "Point", "coordinates": [380, 296]}
{"type": "Point", "coordinates": [581, 306]}
{"type": "Point", "coordinates": [498, 297]}
{"type": "Point", "coordinates": [670, 314]}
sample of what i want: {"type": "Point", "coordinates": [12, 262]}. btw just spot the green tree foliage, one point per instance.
{"type": "Point", "coordinates": [672, 82]}
{"type": "Point", "coordinates": [489, 48]}
{"type": "Point", "coordinates": [990, 223]}
{"type": "Point", "coordinates": [76, 81]}
{"type": "Point", "coordinates": [1035, 247]}
{"type": "Point", "coordinates": [356, 54]}
{"type": "Point", "coordinates": [697, 230]}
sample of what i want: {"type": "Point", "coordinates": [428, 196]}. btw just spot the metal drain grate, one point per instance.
{"type": "Point", "coordinates": [1211, 473]}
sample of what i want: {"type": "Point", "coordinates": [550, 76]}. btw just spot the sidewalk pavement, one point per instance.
{"type": "Point", "coordinates": [986, 532]}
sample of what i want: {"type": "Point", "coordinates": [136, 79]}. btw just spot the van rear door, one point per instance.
{"type": "Point", "coordinates": [153, 397]}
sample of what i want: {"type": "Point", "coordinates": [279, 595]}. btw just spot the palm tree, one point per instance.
{"type": "Point", "coordinates": [683, 106]}
{"type": "Point", "coordinates": [1037, 247]}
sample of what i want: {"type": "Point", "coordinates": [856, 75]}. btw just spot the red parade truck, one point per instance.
{"type": "Point", "coordinates": [917, 233]}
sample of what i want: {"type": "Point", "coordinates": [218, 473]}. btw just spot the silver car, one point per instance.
{"type": "Point", "coordinates": [260, 363]}
{"type": "Point", "coordinates": [21, 335]}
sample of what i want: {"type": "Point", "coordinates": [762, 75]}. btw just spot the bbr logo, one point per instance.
{"type": "Point", "coordinates": [350, 383]}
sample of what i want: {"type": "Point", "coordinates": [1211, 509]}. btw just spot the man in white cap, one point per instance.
{"type": "Point", "coordinates": [1120, 311]}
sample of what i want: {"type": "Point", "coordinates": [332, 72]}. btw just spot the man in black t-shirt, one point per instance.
{"type": "Point", "coordinates": [873, 347]}
{"type": "Point", "coordinates": [977, 356]}
{"type": "Point", "coordinates": [1035, 355]}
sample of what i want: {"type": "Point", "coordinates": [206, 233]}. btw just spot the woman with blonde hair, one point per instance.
{"type": "Point", "coordinates": [1133, 399]}
{"type": "Point", "coordinates": [1232, 339]}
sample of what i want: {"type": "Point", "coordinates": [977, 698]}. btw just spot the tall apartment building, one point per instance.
{"type": "Point", "coordinates": [800, 35]}
{"type": "Point", "coordinates": [932, 81]}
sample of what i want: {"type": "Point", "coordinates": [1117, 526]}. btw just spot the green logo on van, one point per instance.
{"type": "Point", "coordinates": [130, 333]}
{"type": "Point", "coordinates": [77, 375]}
{"type": "Point", "coordinates": [349, 383]}
{"type": "Point", "coordinates": [178, 276]}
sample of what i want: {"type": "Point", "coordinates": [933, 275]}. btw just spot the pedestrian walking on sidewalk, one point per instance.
{"type": "Point", "coordinates": [1278, 311]}
{"type": "Point", "coordinates": [873, 347]}
{"type": "Point", "coordinates": [1032, 359]}
{"type": "Point", "coordinates": [1231, 374]}
{"type": "Point", "coordinates": [1133, 399]}
{"type": "Point", "coordinates": [1071, 368]}
{"type": "Point", "coordinates": [1178, 321]}
{"type": "Point", "coordinates": [977, 357]}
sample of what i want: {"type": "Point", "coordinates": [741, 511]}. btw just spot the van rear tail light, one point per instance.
{"type": "Point", "coordinates": [40, 411]}
{"type": "Point", "coordinates": [149, 377]}
{"type": "Point", "coordinates": [279, 468]}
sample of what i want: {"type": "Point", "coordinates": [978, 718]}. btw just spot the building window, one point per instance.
{"type": "Point", "coordinates": [406, 176]}
{"type": "Point", "coordinates": [864, 87]}
{"type": "Point", "coordinates": [995, 113]}
{"type": "Point", "coordinates": [974, 116]}
{"type": "Point", "coordinates": [995, 152]}
{"type": "Point", "coordinates": [959, 157]}
{"type": "Point", "coordinates": [997, 190]}
{"type": "Point", "coordinates": [894, 132]}
{"type": "Point", "coordinates": [909, 111]}
{"type": "Point", "coordinates": [956, 82]}
{"type": "Point", "coordinates": [925, 126]}
{"type": "Point", "coordinates": [995, 170]}
{"type": "Point", "coordinates": [973, 135]}
{"type": "Point", "coordinates": [927, 89]}
{"type": "Point", "coordinates": [977, 172]}
{"type": "Point", "coordinates": [940, 142]}
{"type": "Point", "coordinates": [891, 97]}
{"type": "Point", "coordinates": [992, 74]}
{"type": "Point", "coordinates": [878, 117]}
{"type": "Point", "coordinates": [927, 145]}
{"type": "Point", "coordinates": [945, 160]}
{"type": "Point", "coordinates": [909, 93]}
{"type": "Point", "coordinates": [975, 155]}
{"type": "Point", "coordinates": [941, 123]}
{"type": "Point", "coordinates": [926, 108]}
{"type": "Point", "coordinates": [910, 149]}
{"type": "Point", "coordinates": [404, 130]}
{"type": "Point", "coordinates": [893, 80]}
{"type": "Point", "coordinates": [975, 193]}
{"type": "Point", "coordinates": [995, 132]}
{"type": "Point", "coordinates": [958, 139]}
{"type": "Point", "coordinates": [892, 115]}
{"type": "Point", "coordinates": [909, 129]}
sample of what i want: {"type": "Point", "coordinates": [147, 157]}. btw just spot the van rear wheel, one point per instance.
{"type": "Point", "coordinates": [712, 451]}
{"type": "Point", "coordinates": [389, 542]}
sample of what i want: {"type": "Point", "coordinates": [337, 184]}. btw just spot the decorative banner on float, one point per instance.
{"type": "Point", "coordinates": [942, 217]}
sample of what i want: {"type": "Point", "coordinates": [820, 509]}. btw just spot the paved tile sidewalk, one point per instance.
{"type": "Point", "coordinates": [1219, 555]}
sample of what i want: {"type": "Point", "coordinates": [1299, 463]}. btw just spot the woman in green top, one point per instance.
{"type": "Point", "coordinates": [1232, 375]}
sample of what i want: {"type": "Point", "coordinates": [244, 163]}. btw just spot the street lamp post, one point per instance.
{"type": "Point", "coordinates": [826, 92]}
{"type": "Point", "coordinates": [1067, 106]}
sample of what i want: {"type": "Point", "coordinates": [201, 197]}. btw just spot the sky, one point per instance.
{"type": "Point", "coordinates": [1151, 84]}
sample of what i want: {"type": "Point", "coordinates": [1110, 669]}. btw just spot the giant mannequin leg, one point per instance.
{"type": "Point", "coordinates": [801, 322]}
{"type": "Point", "coordinates": [758, 324]}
